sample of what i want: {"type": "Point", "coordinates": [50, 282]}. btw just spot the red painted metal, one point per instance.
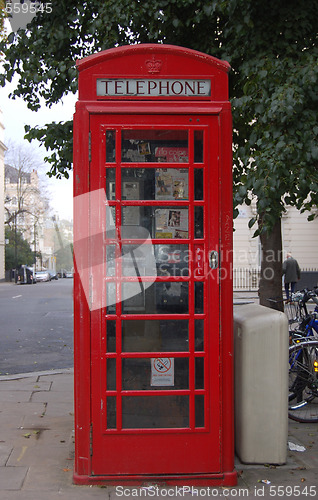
{"type": "Point", "coordinates": [197, 454]}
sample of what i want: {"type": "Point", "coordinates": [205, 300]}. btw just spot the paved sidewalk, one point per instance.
{"type": "Point", "coordinates": [37, 451]}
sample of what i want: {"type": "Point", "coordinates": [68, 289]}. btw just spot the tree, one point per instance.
{"type": "Point", "coordinates": [272, 48]}
{"type": "Point", "coordinates": [64, 257]}
{"type": "Point", "coordinates": [62, 245]}
{"type": "Point", "coordinates": [2, 18]}
{"type": "Point", "coordinates": [17, 250]}
{"type": "Point", "coordinates": [275, 117]}
{"type": "Point", "coordinates": [22, 185]}
{"type": "Point", "coordinates": [24, 204]}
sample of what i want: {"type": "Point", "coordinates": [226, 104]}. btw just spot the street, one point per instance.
{"type": "Point", "coordinates": [36, 326]}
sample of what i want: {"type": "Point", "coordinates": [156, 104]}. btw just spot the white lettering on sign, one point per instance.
{"type": "Point", "coordinates": [152, 88]}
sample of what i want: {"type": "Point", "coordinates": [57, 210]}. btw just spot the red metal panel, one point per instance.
{"type": "Point", "coordinates": [131, 62]}
{"type": "Point", "coordinates": [81, 310]}
{"type": "Point", "coordinates": [226, 298]}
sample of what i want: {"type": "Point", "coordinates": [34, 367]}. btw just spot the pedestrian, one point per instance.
{"type": "Point", "coordinates": [291, 272]}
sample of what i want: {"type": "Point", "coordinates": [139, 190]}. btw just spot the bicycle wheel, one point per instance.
{"type": "Point", "coordinates": [303, 381]}
{"type": "Point", "coordinates": [293, 312]}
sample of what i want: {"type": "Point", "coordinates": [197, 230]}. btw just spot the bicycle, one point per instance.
{"type": "Point", "coordinates": [303, 364]}
{"type": "Point", "coordinates": [296, 308]}
{"type": "Point", "coordinates": [303, 381]}
{"type": "Point", "coordinates": [307, 324]}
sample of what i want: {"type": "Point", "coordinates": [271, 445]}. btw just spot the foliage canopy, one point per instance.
{"type": "Point", "coordinates": [18, 251]}
{"type": "Point", "coordinates": [271, 46]}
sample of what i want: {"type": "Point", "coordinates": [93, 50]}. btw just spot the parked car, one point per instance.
{"type": "Point", "coordinates": [53, 274]}
{"type": "Point", "coordinates": [25, 275]}
{"type": "Point", "coordinates": [42, 276]}
{"type": "Point", "coordinates": [68, 274]}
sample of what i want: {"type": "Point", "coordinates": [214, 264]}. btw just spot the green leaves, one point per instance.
{"type": "Point", "coordinates": [272, 48]}
{"type": "Point", "coordinates": [58, 140]}
{"type": "Point", "coordinates": [251, 222]}
{"type": "Point", "coordinates": [281, 136]}
{"type": "Point", "coordinates": [18, 250]}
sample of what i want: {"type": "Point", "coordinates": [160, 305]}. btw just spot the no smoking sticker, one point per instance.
{"type": "Point", "coordinates": [162, 372]}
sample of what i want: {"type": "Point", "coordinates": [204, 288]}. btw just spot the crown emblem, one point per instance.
{"type": "Point", "coordinates": [153, 65]}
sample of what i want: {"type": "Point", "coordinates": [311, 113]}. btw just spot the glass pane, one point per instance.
{"type": "Point", "coordinates": [198, 222]}
{"type": "Point", "coordinates": [199, 373]}
{"type": "Point", "coordinates": [138, 259]}
{"type": "Point", "coordinates": [155, 373]}
{"type": "Point", "coordinates": [110, 298]}
{"type": "Point", "coordinates": [111, 335]}
{"type": "Point", "coordinates": [110, 146]}
{"type": "Point", "coordinates": [172, 184]}
{"type": "Point", "coordinates": [198, 297]}
{"type": "Point", "coordinates": [165, 222]}
{"type": "Point", "coordinates": [172, 260]}
{"type": "Point", "coordinates": [131, 189]}
{"type": "Point", "coordinates": [132, 216]}
{"type": "Point", "coordinates": [110, 184]}
{"type": "Point", "coordinates": [155, 183]}
{"type": "Point", "coordinates": [111, 375]}
{"type": "Point", "coordinates": [158, 298]}
{"type": "Point", "coordinates": [199, 411]}
{"type": "Point", "coordinates": [155, 146]}
{"type": "Point", "coordinates": [154, 412]}
{"type": "Point", "coordinates": [198, 184]}
{"type": "Point", "coordinates": [155, 335]}
{"type": "Point", "coordinates": [199, 334]}
{"type": "Point", "coordinates": [110, 222]}
{"type": "Point", "coordinates": [111, 412]}
{"type": "Point", "coordinates": [110, 260]}
{"type": "Point", "coordinates": [198, 146]}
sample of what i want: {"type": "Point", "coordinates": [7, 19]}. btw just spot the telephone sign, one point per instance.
{"type": "Point", "coordinates": [150, 88]}
{"type": "Point", "coordinates": [152, 284]}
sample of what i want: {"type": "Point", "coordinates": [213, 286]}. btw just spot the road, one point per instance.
{"type": "Point", "coordinates": [36, 326]}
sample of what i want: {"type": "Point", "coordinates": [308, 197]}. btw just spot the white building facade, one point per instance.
{"type": "Point", "coordinates": [299, 237]}
{"type": "Point", "coordinates": [24, 206]}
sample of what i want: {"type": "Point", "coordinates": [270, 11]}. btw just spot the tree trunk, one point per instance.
{"type": "Point", "coordinates": [270, 286]}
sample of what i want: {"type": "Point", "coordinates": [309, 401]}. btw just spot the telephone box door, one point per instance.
{"type": "Point", "coordinates": [154, 199]}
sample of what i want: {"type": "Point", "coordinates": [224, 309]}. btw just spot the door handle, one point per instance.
{"type": "Point", "coordinates": [214, 259]}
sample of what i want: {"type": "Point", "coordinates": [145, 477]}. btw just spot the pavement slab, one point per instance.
{"type": "Point", "coordinates": [12, 478]}
{"type": "Point", "coordinates": [10, 396]}
{"type": "Point", "coordinates": [5, 452]}
{"type": "Point", "coordinates": [59, 409]}
{"type": "Point", "coordinates": [28, 385]}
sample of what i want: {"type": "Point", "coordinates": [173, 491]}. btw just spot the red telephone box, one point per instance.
{"type": "Point", "coordinates": [152, 287]}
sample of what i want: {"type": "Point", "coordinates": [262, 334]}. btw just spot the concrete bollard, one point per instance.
{"type": "Point", "coordinates": [261, 384]}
